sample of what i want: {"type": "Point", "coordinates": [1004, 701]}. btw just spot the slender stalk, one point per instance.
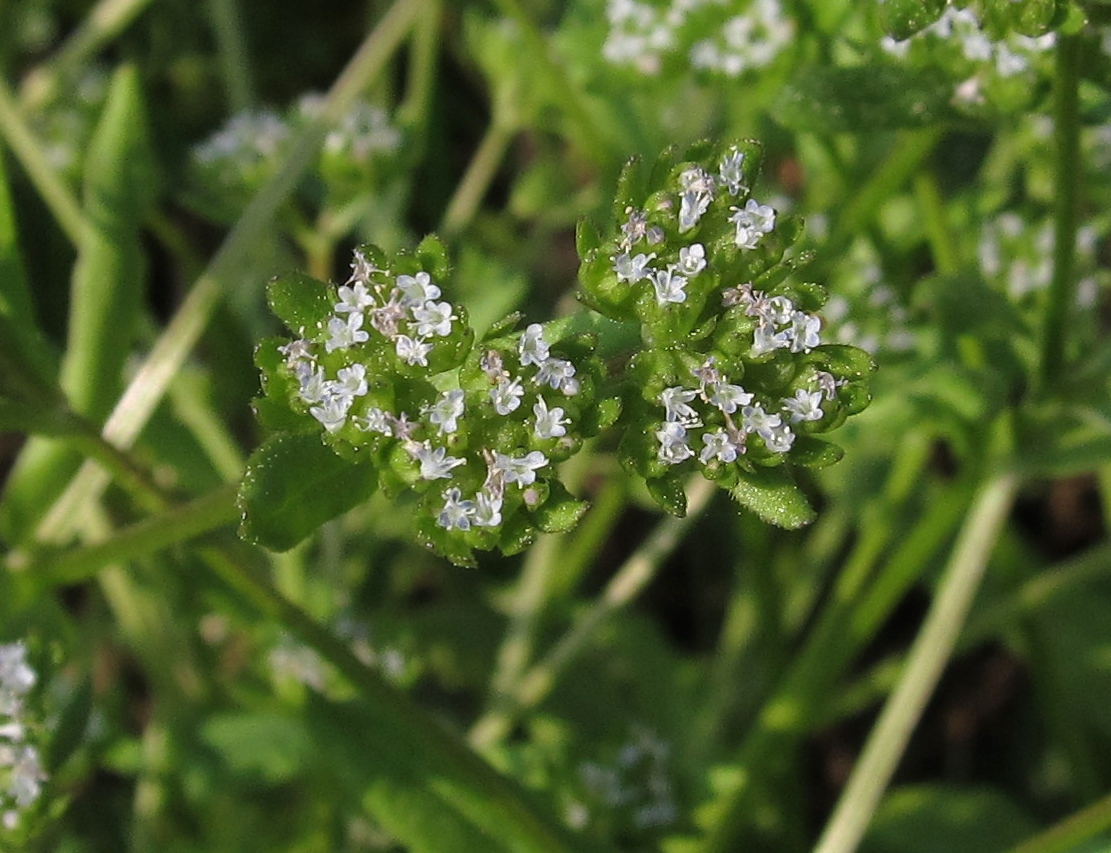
{"type": "Point", "coordinates": [630, 580]}
{"type": "Point", "coordinates": [105, 21]}
{"type": "Point", "coordinates": [59, 199]}
{"type": "Point", "coordinates": [1061, 296]}
{"type": "Point", "coordinates": [235, 59]}
{"type": "Point", "coordinates": [940, 235]}
{"type": "Point", "coordinates": [928, 657]}
{"type": "Point", "coordinates": [149, 386]}
{"type": "Point", "coordinates": [424, 52]}
{"type": "Point", "coordinates": [1073, 832]}
{"type": "Point", "coordinates": [478, 177]}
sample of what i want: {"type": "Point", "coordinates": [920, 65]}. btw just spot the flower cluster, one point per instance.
{"type": "Point", "coordinates": [985, 54]}
{"type": "Point", "coordinates": [20, 765]}
{"type": "Point", "coordinates": [705, 33]}
{"type": "Point", "coordinates": [734, 375]}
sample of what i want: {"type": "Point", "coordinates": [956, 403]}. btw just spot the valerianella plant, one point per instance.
{"type": "Point", "coordinates": [714, 366]}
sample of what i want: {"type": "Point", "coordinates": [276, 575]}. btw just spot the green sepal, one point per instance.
{"type": "Point", "coordinates": [293, 484]}
{"type": "Point", "coordinates": [561, 511]}
{"type": "Point", "coordinates": [773, 496]}
{"type": "Point", "coordinates": [432, 255]}
{"type": "Point", "coordinates": [587, 237]}
{"type": "Point", "coordinates": [903, 18]}
{"type": "Point", "coordinates": [518, 533]}
{"type": "Point", "coordinates": [669, 493]}
{"type": "Point", "coordinates": [810, 452]}
{"type": "Point", "coordinates": [301, 302]}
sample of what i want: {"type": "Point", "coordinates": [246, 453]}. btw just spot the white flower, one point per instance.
{"type": "Point", "coordinates": [296, 351]}
{"type": "Point", "coordinates": [729, 172]}
{"type": "Point", "coordinates": [332, 411]}
{"type": "Point", "coordinates": [361, 268]}
{"type": "Point", "coordinates": [346, 333]}
{"type": "Point", "coordinates": [670, 286]}
{"type": "Point", "coordinates": [827, 383]}
{"type": "Point", "coordinates": [692, 259]}
{"type": "Point", "coordinates": [635, 228]}
{"type": "Point", "coordinates": [351, 381]}
{"type": "Point", "coordinates": [418, 288]}
{"type": "Point", "coordinates": [719, 446]}
{"type": "Point", "coordinates": [434, 464]}
{"type": "Point", "coordinates": [487, 511]}
{"type": "Point", "coordinates": [434, 318]}
{"type": "Point", "coordinates": [753, 222]}
{"type": "Point", "coordinates": [692, 205]}
{"type": "Point", "coordinates": [804, 331]}
{"type": "Point", "coordinates": [778, 438]}
{"type": "Point", "coordinates": [24, 784]}
{"type": "Point", "coordinates": [728, 398]}
{"type": "Point", "coordinates": [675, 400]}
{"type": "Point", "coordinates": [760, 422]}
{"type": "Point", "coordinates": [520, 470]}
{"type": "Point", "coordinates": [16, 677]}
{"type": "Point", "coordinates": [550, 423]}
{"type": "Point", "coordinates": [766, 338]}
{"type": "Point", "coordinates": [804, 406]}
{"type": "Point", "coordinates": [353, 298]}
{"type": "Point", "coordinates": [632, 269]}
{"type": "Point", "coordinates": [456, 513]}
{"type": "Point", "coordinates": [312, 381]}
{"type": "Point", "coordinates": [376, 420]}
{"type": "Point", "coordinates": [447, 411]}
{"type": "Point", "coordinates": [559, 373]}
{"type": "Point", "coordinates": [413, 350]}
{"type": "Point", "coordinates": [506, 397]}
{"type": "Point", "coordinates": [673, 443]}
{"type": "Point", "coordinates": [532, 348]}
{"type": "Point", "coordinates": [778, 309]}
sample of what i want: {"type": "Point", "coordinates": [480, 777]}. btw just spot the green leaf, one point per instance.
{"type": "Point", "coordinates": [865, 98]}
{"type": "Point", "coordinates": [267, 746]}
{"type": "Point", "coordinates": [561, 512]}
{"type": "Point", "coordinates": [107, 292]}
{"type": "Point", "coordinates": [810, 452]}
{"type": "Point", "coordinates": [903, 18]}
{"type": "Point", "coordinates": [294, 484]}
{"type": "Point", "coordinates": [936, 819]}
{"type": "Point", "coordinates": [668, 492]}
{"type": "Point", "coordinates": [300, 301]}
{"type": "Point", "coordinates": [773, 496]}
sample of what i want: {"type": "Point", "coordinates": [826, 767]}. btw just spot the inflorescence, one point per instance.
{"type": "Point", "coordinates": [20, 763]}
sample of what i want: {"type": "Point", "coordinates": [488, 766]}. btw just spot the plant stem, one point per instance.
{"type": "Point", "coordinates": [476, 180]}
{"type": "Point", "coordinates": [1072, 832]}
{"type": "Point", "coordinates": [424, 51]}
{"type": "Point", "coordinates": [231, 46]}
{"type": "Point", "coordinates": [53, 190]}
{"type": "Point", "coordinates": [104, 22]}
{"type": "Point", "coordinates": [937, 225]}
{"type": "Point", "coordinates": [630, 580]}
{"type": "Point", "coordinates": [1061, 296]}
{"type": "Point", "coordinates": [149, 386]}
{"type": "Point", "coordinates": [928, 657]}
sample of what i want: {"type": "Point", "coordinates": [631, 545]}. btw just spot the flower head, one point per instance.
{"type": "Point", "coordinates": [550, 423]}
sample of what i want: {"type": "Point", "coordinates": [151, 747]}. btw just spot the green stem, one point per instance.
{"type": "Point", "coordinates": [938, 232]}
{"type": "Point", "coordinates": [630, 580]}
{"type": "Point", "coordinates": [104, 22]}
{"type": "Point", "coordinates": [1061, 296]}
{"type": "Point", "coordinates": [477, 179]}
{"type": "Point", "coordinates": [424, 51]}
{"type": "Point", "coordinates": [1073, 832]}
{"type": "Point", "coordinates": [494, 802]}
{"type": "Point", "coordinates": [59, 199]}
{"type": "Point", "coordinates": [176, 525]}
{"type": "Point", "coordinates": [231, 46]}
{"type": "Point", "coordinates": [928, 657]}
{"type": "Point", "coordinates": [171, 350]}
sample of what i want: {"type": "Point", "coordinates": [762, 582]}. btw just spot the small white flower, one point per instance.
{"type": "Point", "coordinates": [312, 382]}
{"type": "Point", "coordinates": [351, 381]}
{"type": "Point", "coordinates": [804, 406]}
{"type": "Point", "coordinates": [413, 350]}
{"type": "Point", "coordinates": [558, 373]}
{"type": "Point", "coordinates": [447, 410]}
{"type": "Point", "coordinates": [727, 398]}
{"type": "Point", "coordinates": [456, 513]}
{"type": "Point", "coordinates": [729, 172]}
{"type": "Point", "coordinates": [434, 318]}
{"type": "Point", "coordinates": [506, 397]}
{"type": "Point", "coordinates": [487, 512]}
{"type": "Point", "coordinates": [635, 228]}
{"type": "Point", "coordinates": [632, 269]}
{"type": "Point", "coordinates": [692, 205]}
{"type": "Point", "coordinates": [778, 438]}
{"type": "Point", "coordinates": [719, 446]}
{"type": "Point", "coordinates": [827, 383]}
{"type": "Point", "coordinates": [353, 298]}
{"type": "Point", "coordinates": [16, 677]}
{"type": "Point", "coordinates": [673, 443]}
{"type": "Point", "coordinates": [706, 373]}
{"type": "Point", "coordinates": [762, 423]}
{"type": "Point", "coordinates": [296, 351]}
{"type": "Point", "coordinates": [418, 288]}
{"type": "Point", "coordinates": [675, 400]}
{"type": "Point", "coordinates": [361, 268]}
{"type": "Point", "coordinates": [376, 420]}
{"type": "Point", "coordinates": [804, 331]}
{"type": "Point", "coordinates": [346, 333]}
{"type": "Point", "coordinates": [670, 286]}
{"type": "Point", "coordinates": [692, 259]}
{"type": "Point", "coordinates": [25, 781]}
{"type": "Point", "coordinates": [520, 470]}
{"type": "Point", "coordinates": [765, 339]}
{"type": "Point", "coordinates": [752, 222]}
{"type": "Point", "coordinates": [533, 348]}
{"type": "Point", "coordinates": [332, 411]}
{"type": "Point", "coordinates": [550, 423]}
{"type": "Point", "coordinates": [435, 464]}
